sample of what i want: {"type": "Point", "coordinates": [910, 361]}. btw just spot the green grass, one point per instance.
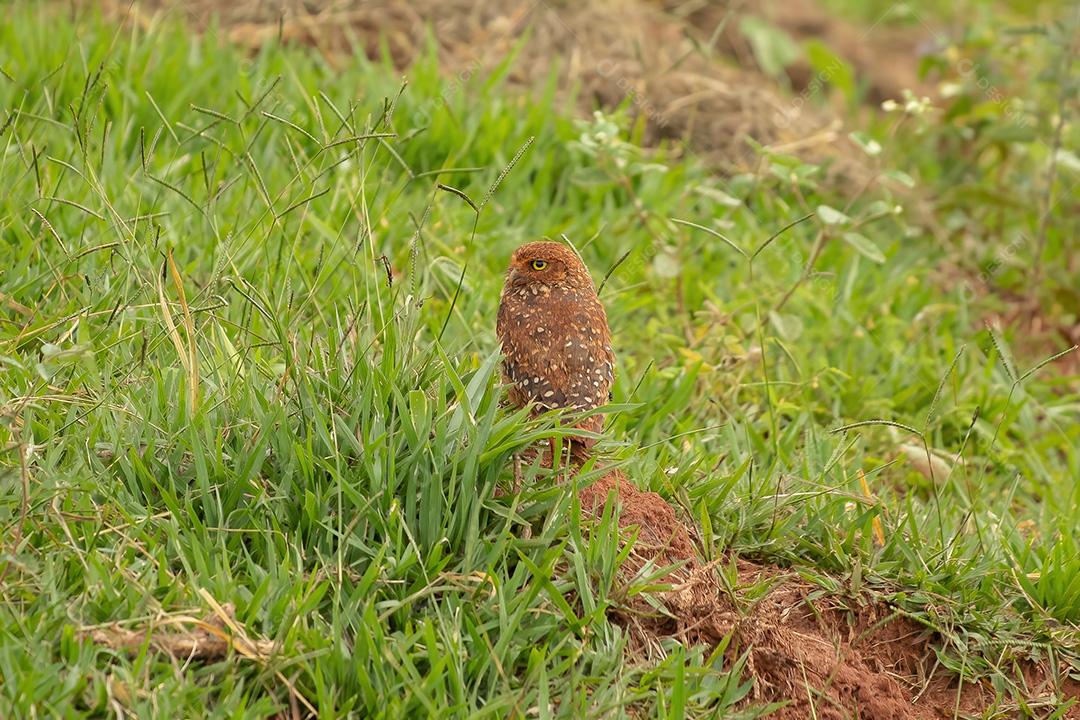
{"type": "Point", "coordinates": [300, 415]}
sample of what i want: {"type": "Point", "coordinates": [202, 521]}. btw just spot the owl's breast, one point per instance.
{"type": "Point", "coordinates": [556, 346]}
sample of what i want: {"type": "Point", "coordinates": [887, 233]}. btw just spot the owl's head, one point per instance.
{"type": "Point", "coordinates": [547, 263]}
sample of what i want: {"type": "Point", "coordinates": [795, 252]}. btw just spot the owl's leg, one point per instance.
{"type": "Point", "coordinates": [526, 532]}
{"type": "Point", "coordinates": [517, 473]}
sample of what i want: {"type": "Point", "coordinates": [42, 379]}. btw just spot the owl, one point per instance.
{"type": "Point", "coordinates": [554, 333]}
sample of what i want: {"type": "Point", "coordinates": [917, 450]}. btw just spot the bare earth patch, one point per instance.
{"type": "Point", "coordinates": [885, 56]}
{"type": "Point", "coordinates": [827, 657]}
{"type": "Point", "coordinates": [649, 57]}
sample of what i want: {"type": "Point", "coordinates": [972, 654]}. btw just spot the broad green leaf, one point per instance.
{"type": "Point", "coordinates": [864, 245]}
{"type": "Point", "coordinates": [831, 216]}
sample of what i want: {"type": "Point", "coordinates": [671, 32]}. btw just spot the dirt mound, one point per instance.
{"type": "Point", "coordinates": [658, 525]}
{"type": "Point", "coordinates": [794, 656]}
{"type": "Point", "coordinates": [827, 657]}
{"type": "Point", "coordinates": [644, 58]}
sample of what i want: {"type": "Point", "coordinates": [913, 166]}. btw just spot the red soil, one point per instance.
{"type": "Point", "coordinates": [824, 658]}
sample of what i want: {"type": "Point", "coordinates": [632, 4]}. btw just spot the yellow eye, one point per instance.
{"type": "Point", "coordinates": [538, 264]}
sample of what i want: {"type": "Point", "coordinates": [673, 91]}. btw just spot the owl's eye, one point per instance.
{"type": "Point", "coordinates": [538, 264]}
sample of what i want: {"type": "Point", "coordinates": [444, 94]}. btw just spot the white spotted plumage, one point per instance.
{"type": "Point", "coordinates": [554, 333]}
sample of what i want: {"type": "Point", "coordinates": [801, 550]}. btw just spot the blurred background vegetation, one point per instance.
{"type": "Point", "coordinates": [251, 254]}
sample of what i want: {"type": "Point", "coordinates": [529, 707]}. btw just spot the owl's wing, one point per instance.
{"type": "Point", "coordinates": [590, 373]}
{"type": "Point", "coordinates": [556, 354]}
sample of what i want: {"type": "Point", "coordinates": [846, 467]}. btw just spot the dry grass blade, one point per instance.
{"type": "Point", "coordinates": [170, 326]}
{"type": "Point", "coordinates": [188, 355]}
{"type": "Point", "coordinates": [16, 305]}
{"type": "Point", "coordinates": [875, 522]}
{"type": "Point", "coordinates": [186, 637]}
{"type": "Point", "coordinates": [24, 507]}
{"type": "Point", "coordinates": [201, 642]}
{"type": "Point", "coordinates": [224, 616]}
{"type": "Point", "coordinates": [189, 638]}
{"type": "Point", "coordinates": [189, 325]}
{"type": "Point", "coordinates": [259, 650]}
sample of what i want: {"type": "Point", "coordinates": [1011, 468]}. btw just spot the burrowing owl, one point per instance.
{"type": "Point", "coordinates": [554, 334]}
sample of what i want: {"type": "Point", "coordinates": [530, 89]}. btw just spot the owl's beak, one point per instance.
{"type": "Point", "coordinates": [515, 278]}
